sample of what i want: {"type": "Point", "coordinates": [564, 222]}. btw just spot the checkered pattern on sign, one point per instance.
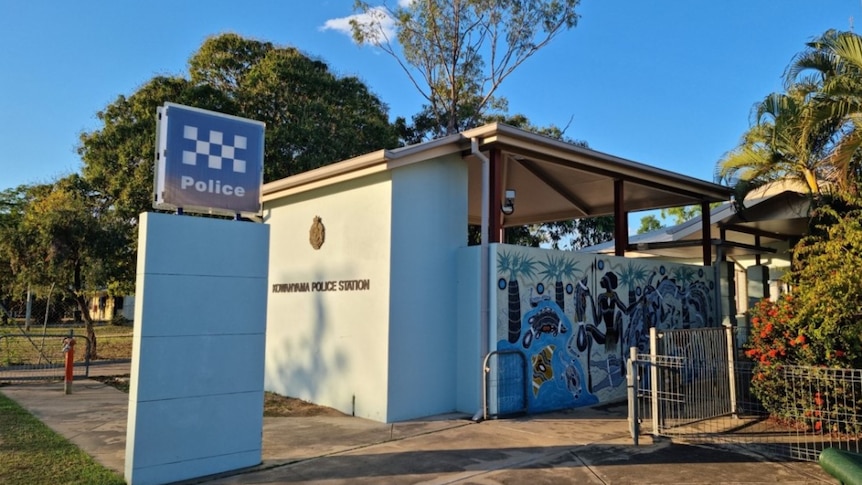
{"type": "Point", "coordinates": [214, 150]}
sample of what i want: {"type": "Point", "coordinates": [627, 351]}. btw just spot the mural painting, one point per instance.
{"type": "Point", "coordinates": [574, 317]}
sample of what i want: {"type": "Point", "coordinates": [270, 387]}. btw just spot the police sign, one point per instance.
{"type": "Point", "coordinates": [207, 161]}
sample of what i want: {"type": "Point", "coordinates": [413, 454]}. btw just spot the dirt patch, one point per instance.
{"type": "Point", "coordinates": [274, 405]}
{"type": "Point", "coordinates": [119, 382]}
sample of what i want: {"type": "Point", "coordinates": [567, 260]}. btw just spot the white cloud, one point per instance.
{"type": "Point", "coordinates": [376, 15]}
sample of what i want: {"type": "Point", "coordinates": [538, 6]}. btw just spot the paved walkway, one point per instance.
{"type": "Point", "coordinates": [585, 446]}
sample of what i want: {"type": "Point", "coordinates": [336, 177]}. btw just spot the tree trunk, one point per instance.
{"type": "Point", "coordinates": [85, 312]}
{"type": "Point", "coordinates": [88, 324]}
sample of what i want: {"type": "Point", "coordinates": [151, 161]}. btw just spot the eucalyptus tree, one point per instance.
{"type": "Point", "coordinates": [457, 53]}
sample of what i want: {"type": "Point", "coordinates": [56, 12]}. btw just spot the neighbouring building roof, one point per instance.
{"type": "Point", "coordinates": [768, 217]}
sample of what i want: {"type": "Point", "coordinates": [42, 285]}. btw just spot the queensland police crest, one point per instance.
{"type": "Point", "coordinates": [317, 233]}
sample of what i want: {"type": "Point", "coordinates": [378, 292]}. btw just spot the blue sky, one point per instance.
{"type": "Point", "coordinates": [669, 83]}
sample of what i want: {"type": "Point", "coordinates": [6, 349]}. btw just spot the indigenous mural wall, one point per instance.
{"type": "Point", "coordinates": [574, 317]}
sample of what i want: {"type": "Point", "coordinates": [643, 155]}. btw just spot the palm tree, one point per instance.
{"type": "Point", "coordinates": [832, 65]}
{"type": "Point", "coordinates": [812, 133]}
{"type": "Point", "coordinates": [783, 144]}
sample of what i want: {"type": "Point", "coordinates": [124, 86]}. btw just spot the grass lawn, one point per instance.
{"type": "Point", "coordinates": [31, 453]}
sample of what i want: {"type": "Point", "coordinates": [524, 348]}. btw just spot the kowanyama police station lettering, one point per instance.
{"type": "Point", "coordinates": [319, 286]}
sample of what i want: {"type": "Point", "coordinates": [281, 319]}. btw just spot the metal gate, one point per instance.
{"type": "Point", "coordinates": [30, 357]}
{"type": "Point", "coordinates": [505, 383]}
{"type": "Point", "coordinates": [687, 377]}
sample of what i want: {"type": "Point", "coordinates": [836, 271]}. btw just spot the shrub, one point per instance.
{"type": "Point", "coordinates": [829, 292]}
{"type": "Point", "coordinates": [818, 326]}
{"type": "Point", "coordinates": [774, 343]}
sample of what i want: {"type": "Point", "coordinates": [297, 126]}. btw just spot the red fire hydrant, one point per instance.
{"type": "Point", "coordinates": [69, 350]}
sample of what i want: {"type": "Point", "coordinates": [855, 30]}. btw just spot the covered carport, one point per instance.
{"type": "Point", "coordinates": [553, 181]}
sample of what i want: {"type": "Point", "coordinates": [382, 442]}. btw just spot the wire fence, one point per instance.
{"type": "Point", "coordinates": [32, 332]}
{"type": "Point", "coordinates": [40, 356]}
{"type": "Point", "coordinates": [704, 394]}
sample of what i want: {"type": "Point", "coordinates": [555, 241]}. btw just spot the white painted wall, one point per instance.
{"type": "Point", "coordinates": [330, 347]}
{"type": "Point", "coordinates": [468, 375]}
{"type": "Point", "coordinates": [429, 225]}
{"type": "Point", "coordinates": [196, 397]}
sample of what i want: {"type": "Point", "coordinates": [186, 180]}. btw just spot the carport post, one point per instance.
{"type": "Point", "coordinates": [621, 220]}
{"type": "Point", "coordinates": [631, 379]}
{"type": "Point", "coordinates": [706, 233]}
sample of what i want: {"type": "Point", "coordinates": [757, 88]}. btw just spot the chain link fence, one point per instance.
{"type": "Point", "coordinates": [33, 328]}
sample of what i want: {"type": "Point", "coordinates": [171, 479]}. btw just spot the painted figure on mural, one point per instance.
{"type": "Point", "coordinates": [609, 302]}
{"type": "Point", "coordinates": [608, 310]}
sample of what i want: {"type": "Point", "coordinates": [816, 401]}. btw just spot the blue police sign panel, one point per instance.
{"type": "Point", "coordinates": [208, 162]}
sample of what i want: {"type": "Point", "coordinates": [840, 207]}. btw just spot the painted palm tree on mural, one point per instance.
{"type": "Point", "coordinates": [558, 269]}
{"type": "Point", "coordinates": [633, 276]}
{"type": "Point", "coordinates": [515, 265]}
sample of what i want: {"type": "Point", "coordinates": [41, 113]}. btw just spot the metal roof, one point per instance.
{"type": "Point", "coordinates": [553, 180]}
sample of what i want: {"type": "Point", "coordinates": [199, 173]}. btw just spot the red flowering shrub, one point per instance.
{"type": "Point", "coordinates": [774, 342]}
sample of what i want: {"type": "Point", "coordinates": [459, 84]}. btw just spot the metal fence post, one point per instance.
{"type": "Point", "coordinates": [731, 369]}
{"type": "Point", "coordinates": [69, 350]}
{"type": "Point", "coordinates": [634, 425]}
{"type": "Point", "coordinates": [653, 377]}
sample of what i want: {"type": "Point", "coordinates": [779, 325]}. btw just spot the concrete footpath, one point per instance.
{"type": "Point", "coordinates": [585, 446]}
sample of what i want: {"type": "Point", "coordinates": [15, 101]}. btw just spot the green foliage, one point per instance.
{"type": "Point", "coordinates": [444, 45]}
{"type": "Point", "coordinates": [829, 289]}
{"type": "Point", "coordinates": [313, 117]}
{"type": "Point", "coordinates": [649, 223]}
{"type": "Point", "coordinates": [118, 157]}
{"type": "Point", "coordinates": [811, 132]}
{"type": "Point", "coordinates": [682, 213]}
{"type": "Point", "coordinates": [12, 206]}
{"type": "Point", "coordinates": [593, 230]}
{"type": "Point", "coordinates": [785, 349]}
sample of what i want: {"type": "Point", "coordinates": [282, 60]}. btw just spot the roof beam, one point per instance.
{"type": "Point", "coordinates": [542, 175]}
{"type": "Point", "coordinates": [757, 232]}
{"type": "Point", "coordinates": [646, 247]}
